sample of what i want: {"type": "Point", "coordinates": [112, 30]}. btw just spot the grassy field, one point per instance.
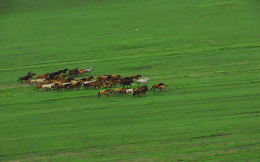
{"type": "Point", "coordinates": [206, 51]}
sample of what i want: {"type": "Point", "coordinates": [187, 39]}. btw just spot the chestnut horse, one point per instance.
{"type": "Point", "coordinates": [135, 76]}
{"type": "Point", "coordinates": [163, 87]}
{"type": "Point", "coordinates": [156, 86]}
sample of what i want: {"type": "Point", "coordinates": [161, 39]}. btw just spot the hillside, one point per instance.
{"type": "Point", "coordinates": [206, 51]}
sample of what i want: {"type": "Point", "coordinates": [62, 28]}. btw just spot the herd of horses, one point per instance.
{"type": "Point", "coordinates": [63, 81]}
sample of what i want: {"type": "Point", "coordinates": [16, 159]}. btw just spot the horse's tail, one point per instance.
{"type": "Point", "coordinates": [18, 79]}
{"type": "Point", "coordinates": [98, 94]}
{"type": "Point", "coordinates": [151, 88]}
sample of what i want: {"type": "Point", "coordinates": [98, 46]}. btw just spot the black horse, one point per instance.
{"type": "Point", "coordinates": [126, 82]}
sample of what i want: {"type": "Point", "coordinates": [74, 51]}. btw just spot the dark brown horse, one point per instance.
{"type": "Point", "coordinates": [77, 86]}
{"type": "Point", "coordinates": [23, 78]}
{"type": "Point", "coordinates": [141, 90]}
{"type": "Point", "coordinates": [64, 86]}
{"type": "Point", "coordinates": [63, 71]}
{"type": "Point", "coordinates": [74, 72]}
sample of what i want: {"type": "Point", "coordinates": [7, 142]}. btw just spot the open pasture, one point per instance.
{"type": "Point", "coordinates": [206, 51]}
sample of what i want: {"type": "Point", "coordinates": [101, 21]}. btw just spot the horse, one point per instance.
{"type": "Point", "coordinates": [41, 76]}
{"type": "Point", "coordinates": [63, 86]}
{"type": "Point", "coordinates": [135, 76]}
{"type": "Point", "coordinates": [54, 74]}
{"type": "Point", "coordinates": [89, 70]}
{"type": "Point", "coordinates": [119, 90]}
{"type": "Point", "coordinates": [32, 82]}
{"type": "Point", "coordinates": [74, 72]}
{"type": "Point", "coordinates": [127, 82]}
{"type": "Point", "coordinates": [156, 86]}
{"type": "Point", "coordinates": [58, 82]}
{"type": "Point", "coordinates": [23, 78]}
{"type": "Point", "coordinates": [106, 92]}
{"type": "Point", "coordinates": [115, 77]}
{"type": "Point", "coordinates": [138, 82]}
{"type": "Point", "coordinates": [82, 72]}
{"type": "Point", "coordinates": [104, 78]}
{"type": "Point", "coordinates": [62, 76]}
{"type": "Point", "coordinates": [96, 84]}
{"type": "Point", "coordinates": [46, 82]}
{"type": "Point", "coordinates": [87, 84]}
{"type": "Point", "coordinates": [128, 90]}
{"type": "Point", "coordinates": [87, 78]}
{"type": "Point", "coordinates": [68, 79]}
{"type": "Point", "coordinates": [48, 86]}
{"type": "Point", "coordinates": [125, 79]}
{"type": "Point", "coordinates": [163, 87]}
{"type": "Point", "coordinates": [77, 86]}
{"type": "Point", "coordinates": [39, 81]}
{"type": "Point", "coordinates": [31, 75]}
{"type": "Point", "coordinates": [38, 87]}
{"type": "Point", "coordinates": [112, 83]}
{"type": "Point", "coordinates": [63, 71]}
{"type": "Point", "coordinates": [140, 90]}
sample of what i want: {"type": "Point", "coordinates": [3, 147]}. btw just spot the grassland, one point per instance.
{"type": "Point", "coordinates": [206, 51]}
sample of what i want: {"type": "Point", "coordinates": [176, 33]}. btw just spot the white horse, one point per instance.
{"type": "Point", "coordinates": [127, 91]}
{"type": "Point", "coordinates": [33, 82]}
{"type": "Point", "coordinates": [89, 70]}
{"type": "Point", "coordinates": [138, 82]}
{"type": "Point", "coordinates": [48, 86]}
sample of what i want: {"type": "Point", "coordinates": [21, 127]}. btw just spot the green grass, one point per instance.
{"type": "Point", "coordinates": [206, 51]}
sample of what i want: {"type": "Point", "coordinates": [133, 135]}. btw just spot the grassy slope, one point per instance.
{"type": "Point", "coordinates": [210, 111]}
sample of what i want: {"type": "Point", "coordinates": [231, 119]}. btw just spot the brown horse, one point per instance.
{"type": "Point", "coordinates": [62, 77]}
{"type": "Point", "coordinates": [74, 72]}
{"type": "Point", "coordinates": [82, 72]}
{"type": "Point", "coordinates": [68, 79]}
{"type": "Point", "coordinates": [156, 86]}
{"type": "Point", "coordinates": [106, 92]}
{"type": "Point", "coordinates": [115, 77]}
{"type": "Point", "coordinates": [163, 87]}
{"type": "Point", "coordinates": [42, 76]}
{"type": "Point", "coordinates": [87, 78]}
{"type": "Point", "coordinates": [64, 86]}
{"type": "Point", "coordinates": [119, 91]}
{"type": "Point", "coordinates": [77, 86]}
{"type": "Point", "coordinates": [96, 84]}
{"type": "Point", "coordinates": [106, 78]}
{"type": "Point", "coordinates": [135, 76]}
{"type": "Point", "coordinates": [87, 85]}
{"type": "Point", "coordinates": [141, 90]}
{"type": "Point", "coordinates": [38, 87]}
